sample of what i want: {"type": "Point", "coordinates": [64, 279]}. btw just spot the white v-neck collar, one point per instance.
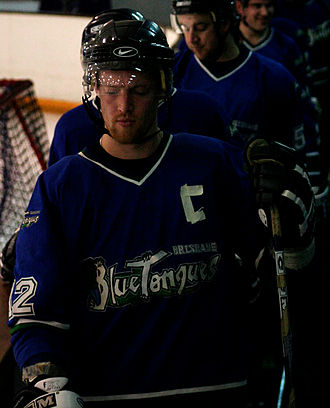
{"type": "Point", "coordinates": [130, 180]}
{"type": "Point", "coordinates": [266, 40]}
{"type": "Point", "coordinates": [217, 79]}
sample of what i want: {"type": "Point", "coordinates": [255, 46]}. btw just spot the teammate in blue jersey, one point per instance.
{"type": "Point", "coordinates": [183, 111]}
{"type": "Point", "coordinates": [127, 283]}
{"type": "Point", "coordinates": [258, 35]}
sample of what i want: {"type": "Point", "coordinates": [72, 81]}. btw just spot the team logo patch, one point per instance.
{"type": "Point", "coordinates": [125, 52]}
{"type": "Point", "coordinates": [30, 218]}
{"type": "Point", "coordinates": [149, 275]}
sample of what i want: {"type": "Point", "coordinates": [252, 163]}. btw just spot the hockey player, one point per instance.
{"type": "Point", "coordinates": [127, 287]}
{"type": "Point", "coordinates": [258, 35]}
{"type": "Point", "coordinates": [183, 111]}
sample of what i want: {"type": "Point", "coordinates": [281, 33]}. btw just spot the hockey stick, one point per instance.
{"type": "Point", "coordinates": [282, 289]}
{"type": "Point", "coordinates": [286, 333]}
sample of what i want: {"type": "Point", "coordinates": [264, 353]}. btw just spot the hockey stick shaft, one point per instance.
{"type": "Point", "coordinates": [282, 289]}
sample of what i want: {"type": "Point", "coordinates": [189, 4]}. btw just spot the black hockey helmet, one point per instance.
{"type": "Point", "coordinates": [129, 45]}
{"type": "Point", "coordinates": [93, 27]}
{"type": "Point", "coordinates": [220, 10]}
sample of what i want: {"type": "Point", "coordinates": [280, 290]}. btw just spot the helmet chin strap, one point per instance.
{"type": "Point", "coordinates": [245, 22]}
{"type": "Point", "coordinates": [97, 119]}
{"type": "Point", "coordinates": [243, 19]}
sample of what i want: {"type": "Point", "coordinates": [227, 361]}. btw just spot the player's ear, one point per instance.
{"type": "Point", "coordinates": [239, 7]}
{"type": "Point", "coordinates": [225, 26]}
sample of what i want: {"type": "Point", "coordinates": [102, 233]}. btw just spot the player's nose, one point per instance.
{"type": "Point", "coordinates": [192, 36]}
{"type": "Point", "coordinates": [264, 11]}
{"type": "Point", "coordinates": [124, 102]}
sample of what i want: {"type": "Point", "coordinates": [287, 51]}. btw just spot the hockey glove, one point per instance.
{"type": "Point", "coordinates": [319, 182]}
{"type": "Point", "coordinates": [280, 179]}
{"type": "Point", "coordinates": [43, 390]}
{"type": "Point", "coordinates": [8, 259]}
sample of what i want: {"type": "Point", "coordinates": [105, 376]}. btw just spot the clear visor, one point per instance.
{"type": "Point", "coordinates": [100, 77]}
{"type": "Point", "coordinates": [111, 82]}
{"type": "Point", "coordinates": [95, 75]}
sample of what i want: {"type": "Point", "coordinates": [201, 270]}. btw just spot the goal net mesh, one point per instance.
{"type": "Point", "coordinates": [24, 148]}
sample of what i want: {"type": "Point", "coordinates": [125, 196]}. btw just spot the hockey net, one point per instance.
{"type": "Point", "coordinates": [24, 148]}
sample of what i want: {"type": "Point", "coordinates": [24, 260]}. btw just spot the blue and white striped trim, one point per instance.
{"type": "Point", "coordinates": [57, 325]}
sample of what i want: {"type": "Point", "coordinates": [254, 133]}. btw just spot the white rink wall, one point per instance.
{"type": "Point", "coordinates": [44, 49]}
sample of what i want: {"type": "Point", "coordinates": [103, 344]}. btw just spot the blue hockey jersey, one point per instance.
{"type": "Point", "coordinates": [260, 95]}
{"type": "Point", "coordinates": [132, 283]}
{"type": "Point", "coordinates": [185, 111]}
{"type": "Point", "coordinates": [283, 49]}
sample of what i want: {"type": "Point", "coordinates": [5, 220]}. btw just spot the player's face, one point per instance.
{"type": "Point", "coordinates": [258, 14]}
{"type": "Point", "coordinates": [129, 104]}
{"type": "Point", "coordinates": [200, 34]}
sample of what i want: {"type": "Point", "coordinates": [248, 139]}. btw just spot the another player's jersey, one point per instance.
{"type": "Point", "coordinates": [294, 31]}
{"type": "Point", "coordinates": [260, 95]}
{"type": "Point", "coordinates": [185, 111]}
{"type": "Point", "coordinates": [133, 275]}
{"type": "Point", "coordinates": [283, 49]}
{"type": "Point", "coordinates": [313, 18]}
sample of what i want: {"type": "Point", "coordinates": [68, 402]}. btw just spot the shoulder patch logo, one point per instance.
{"type": "Point", "coordinates": [125, 51]}
{"type": "Point", "coordinates": [30, 218]}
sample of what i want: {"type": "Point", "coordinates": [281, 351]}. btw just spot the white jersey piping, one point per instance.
{"type": "Point", "coordinates": [209, 73]}
{"type": "Point", "coordinates": [138, 183]}
{"type": "Point", "coordinates": [44, 322]}
{"type": "Point", "coordinates": [263, 43]}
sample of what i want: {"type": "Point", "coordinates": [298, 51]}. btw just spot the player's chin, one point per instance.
{"type": "Point", "coordinates": [201, 53]}
{"type": "Point", "coordinates": [263, 24]}
{"type": "Point", "coordinates": [126, 135]}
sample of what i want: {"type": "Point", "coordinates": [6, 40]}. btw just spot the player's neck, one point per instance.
{"type": "Point", "coordinates": [230, 49]}
{"type": "Point", "coordinates": [132, 151]}
{"type": "Point", "coordinates": [252, 36]}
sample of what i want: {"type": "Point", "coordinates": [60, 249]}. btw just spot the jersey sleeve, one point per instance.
{"type": "Point", "coordinates": [39, 300]}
